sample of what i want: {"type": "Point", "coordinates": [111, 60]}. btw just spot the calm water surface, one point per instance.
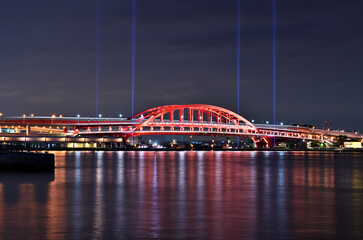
{"type": "Point", "coordinates": [187, 195]}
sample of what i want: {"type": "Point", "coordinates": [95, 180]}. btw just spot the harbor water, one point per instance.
{"type": "Point", "coordinates": [187, 195]}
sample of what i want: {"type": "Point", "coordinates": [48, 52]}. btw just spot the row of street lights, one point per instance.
{"type": "Point", "coordinates": [267, 122]}
{"type": "Point", "coordinates": [120, 115]}
{"type": "Point", "coordinates": [60, 116]}
{"type": "Point", "coordinates": [99, 115]}
{"type": "Point", "coordinates": [54, 116]}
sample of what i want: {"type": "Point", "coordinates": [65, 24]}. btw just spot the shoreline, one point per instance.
{"type": "Point", "coordinates": [41, 151]}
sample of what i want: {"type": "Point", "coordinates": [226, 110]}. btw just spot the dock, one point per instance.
{"type": "Point", "coordinates": [26, 161]}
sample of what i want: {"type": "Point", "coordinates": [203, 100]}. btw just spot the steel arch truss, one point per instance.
{"type": "Point", "coordinates": [190, 119]}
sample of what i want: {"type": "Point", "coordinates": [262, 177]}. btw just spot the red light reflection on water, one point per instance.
{"type": "Point", "coordinates": [206, 195]}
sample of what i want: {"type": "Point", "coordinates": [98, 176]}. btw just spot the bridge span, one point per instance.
{"type": "Point", "coordinates": [193, 119]}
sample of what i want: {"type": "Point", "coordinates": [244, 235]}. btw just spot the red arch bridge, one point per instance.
{"type": "Point", "coordinates": [193, 119]}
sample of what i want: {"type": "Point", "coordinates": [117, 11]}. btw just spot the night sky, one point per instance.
{"type": "Point", "coordinates": [186, 52]}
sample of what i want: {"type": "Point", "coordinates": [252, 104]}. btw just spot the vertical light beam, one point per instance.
{"type": "Point", "coordinates": [238, 48]}
{"type": "Point", "coordinates": [133, 62]}
{"type": "Point", "coordinates": [238, 53]}
{"type": "Point", "coordinates": [274, 63]}
{"type": "Point", "coordinates": [98, 23]}
{"type": "Point", "coordinates": [133, 54]}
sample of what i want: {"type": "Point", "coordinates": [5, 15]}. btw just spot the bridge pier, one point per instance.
{"type": "Point", "coordinates": [262, 142]}
{"type": "Point", "coordinates": [125, 138]}
{"type": "Point", "coordinates": [28, 129]}
{"type": "Point", "coordinates": [17, 129]}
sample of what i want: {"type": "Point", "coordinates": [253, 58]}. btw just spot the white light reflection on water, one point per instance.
{"type": "Point", "coordinates": [281, 168]}
{"type": "Point", "coordinates": [181, 205]}
{"type": "Point", "coordinates": [1, 211]}
{"type": "Point", "coordinates": [99, 208]}
{"type": "Point", "coordinates": [155, 227]}
{"type": "Point", "coordinates": [120, 168]}
{"type": "Point", "coordinates": [252, 190]}
{"type": "Point", "coordinates": [267, 168]}
{"type": "Point", "coordinates": [77, 196]}
{"type": "Point", "coordinates": [200, 191]}
{"type": "Point", "coordinates": [119, 195]}
{"type": "Point", "coordinates": [218, 203]}
{"type": "Point", "coordinates": [140, 171]}
{"type": "Point", "coordinates": [281, 200]}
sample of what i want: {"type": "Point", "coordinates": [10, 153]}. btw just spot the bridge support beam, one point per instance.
{"type": "Point", "coordinates": [181, 115]}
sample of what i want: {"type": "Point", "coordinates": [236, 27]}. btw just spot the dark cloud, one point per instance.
{"type": "Point", "coordinates": [185, 53]}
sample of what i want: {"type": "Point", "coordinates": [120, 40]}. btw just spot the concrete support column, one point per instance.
{"type": "Point", "coordinates": [28, 129]}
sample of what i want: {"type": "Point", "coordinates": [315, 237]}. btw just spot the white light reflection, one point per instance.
{"type": "Point", "coordinates": [281, 173]}
{"type": "Point", "coordinates": [181, 204]}
{"type": "Point", "coordinates": [2, 215]}
{"type": "Point", "coordinates": [155, 204]}
{"type": "Point", "coordinates": [140, 156]}
{"type": "Point", "coordinates": [281, 194]}
{"type": "Point", "coordinates": [267, 199]}
{"type": "Point", "coordinates": [98, 208]}
{"type": "Point", "coordinates": [120, 168]}
{"type": "Point", "coordinates": [78, 168]}
{"type": "Point", "coordinates": [218, 154]}
{"type": "Point", "coordinates": [253, 189]}
{"type": "Point", "coordinates": [267, 168]}
{"type": "Point", "coordinates": [219, 207]}
{"type": "Point", "coordinates": [120, 194]}
{"type": "Point", "coordinates": [77, 197]}
{"type": "Point", "coordinates": [200, 207]}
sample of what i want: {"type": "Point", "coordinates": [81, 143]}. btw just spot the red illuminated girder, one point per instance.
{"type": "Point", "coordinates": [172, 116]}
{"type": "Point", "coordinates": [181, 115]}
{"type": "Point", "coordinates": [199, 133]}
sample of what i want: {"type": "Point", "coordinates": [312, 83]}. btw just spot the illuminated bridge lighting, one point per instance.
{"type": "Point", "coordinates": [193, 119]}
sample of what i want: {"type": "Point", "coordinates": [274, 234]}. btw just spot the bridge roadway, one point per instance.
{"type": "Point", "coordinates": [290, 132]}
{"type": "Point", "coordinates": [195, 119]}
